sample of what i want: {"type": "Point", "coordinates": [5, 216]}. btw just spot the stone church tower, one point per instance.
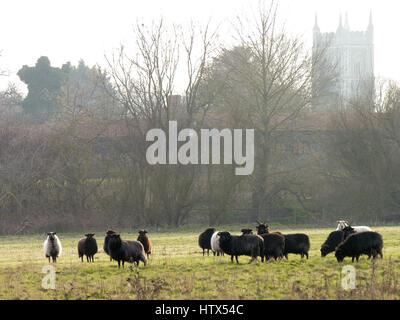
{"type": "Point", "coordinates": [343, 66]}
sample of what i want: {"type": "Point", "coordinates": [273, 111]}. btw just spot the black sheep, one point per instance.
{"type": "Point", "coordinates": [145, 241]}
{"type": "Point", "coordinates": [106, 239]}
{"type": "Point", "coordinates": [297, 243]}
{"type": "Point", "coordinates": [334, 239]}
{"type": "Point", "coordinates": [88, 247]}
{"type": "Point", "coordinates": [122, 250]}
{"type": "Point", "coordinates": [248, 245]}
{"type": "Point", "coordinates": [369, 243]}
{"type": "Point", "coordinates": [274, 246]}
{"type": "Point", "coordinates": [205, 240]}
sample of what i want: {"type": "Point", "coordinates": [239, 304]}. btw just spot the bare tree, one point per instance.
{"type": "Point", "coordinates": [267, 86]}
{"type": "Point", "coordinates": [366, 153]}
{"type": "Point", "coordinates": [146, 84]}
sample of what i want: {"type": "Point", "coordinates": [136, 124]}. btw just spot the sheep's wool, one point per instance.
{"type": "Point", "coordinates": [47, 246]}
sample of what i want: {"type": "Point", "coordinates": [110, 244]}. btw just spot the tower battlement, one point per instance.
{"type": "Point", "coordinates": [350, 56]}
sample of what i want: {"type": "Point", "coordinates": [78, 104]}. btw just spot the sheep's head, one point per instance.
{"type": "Point", "coordinates": [51, 235]}
{"type": "Point", "coordinates": [110, 232]}
{"type": "Point", "coordinates": [262, 228]}
{"type": "Point", "coordinates": [89, 235]}
{"type": "Point", "coordinates": [342, 224]}
{"type": "Point", "coordinates": [224, 236]}
{"type": "Point", "coordinates": [324, 250]}
{"type": "Point", "coordinates": [247, 231]}
{"type": "Point", "coordinates": [142, 233]}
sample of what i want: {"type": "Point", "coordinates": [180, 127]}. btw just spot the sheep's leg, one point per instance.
{"type": "Point", "coordinates": [306, 254]}
{"type": "Point", "coordinates": [352, 259]}
{"type": "Point", "coordinates": [119, 264]}
{"type": "Point", "coordinates": [237, 260]}
{"type": "Point", "coordinates": [232, 258]}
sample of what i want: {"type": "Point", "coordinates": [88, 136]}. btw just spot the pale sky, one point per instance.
{"type": "Point", "coordinates": [68, 30]}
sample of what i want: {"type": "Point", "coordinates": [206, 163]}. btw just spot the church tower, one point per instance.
{"type": "Point", "coordinates": [343, 66]}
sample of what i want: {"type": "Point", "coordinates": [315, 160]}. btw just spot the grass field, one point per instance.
{"type": "Point", "coordinates": [177, 270]}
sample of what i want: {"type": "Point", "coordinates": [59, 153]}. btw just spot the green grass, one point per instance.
{"type": "Point", "coordinates": [177, 270]}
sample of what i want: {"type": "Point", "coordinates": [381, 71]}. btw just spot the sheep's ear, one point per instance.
{"type": "Point", "coordinates": [87, 234]}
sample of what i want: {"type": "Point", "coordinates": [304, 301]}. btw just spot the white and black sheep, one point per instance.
{"type": "Point", "coordinates": [52, 246]}
{"type": "Point", "coordinates": [88, 247]}
{"type": "Point", "coordinates": [343, 224]}
{"type": "Point", "coordinates": [215, 247]}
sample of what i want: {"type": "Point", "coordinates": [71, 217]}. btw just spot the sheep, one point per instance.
{"type": "Point", "coordinates": [124, 250]}
{"type": "Point", "coordinates": [343, 223]}
{"type": "Point", "coordinates": [145, 241]}
{"type": "Point", "coordinates": [297, 243]}
{"type": "Point", "coordinates": [106, 240]}
{"type": "Point", "coordinates": [88, 247]}
{"type": "Point", "coordinates": [215, 247]}
{"type": "Point", "coordinates": [205, 240]}
{"type": "Point", "coordinates": [368, 242]}
{"type": "Point", "coordinates": [52, 246]}
{"type": "Point", "coordinates": [248, 244]}
{"type": "Point", "coordinates": [274, 246]}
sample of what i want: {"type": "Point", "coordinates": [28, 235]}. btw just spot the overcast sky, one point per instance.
{"type": "Point", "coordinates": [70, 30]}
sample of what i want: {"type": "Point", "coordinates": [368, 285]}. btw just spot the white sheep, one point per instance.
{"type": "Point", "coordinates": [343, 223]}
{"type": "Point", "coordinates": [215, 244]}
{"type": "Point", "coordinates": [52, 246]}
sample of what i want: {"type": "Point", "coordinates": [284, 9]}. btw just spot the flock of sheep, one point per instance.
{"type": "Point", "coordinates": [118, 249]}
{"type": "Point", "coordinates": [346, 241]}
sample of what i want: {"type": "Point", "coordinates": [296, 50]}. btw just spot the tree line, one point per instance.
{"type": "Point", "coordinates": [76, 156]}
